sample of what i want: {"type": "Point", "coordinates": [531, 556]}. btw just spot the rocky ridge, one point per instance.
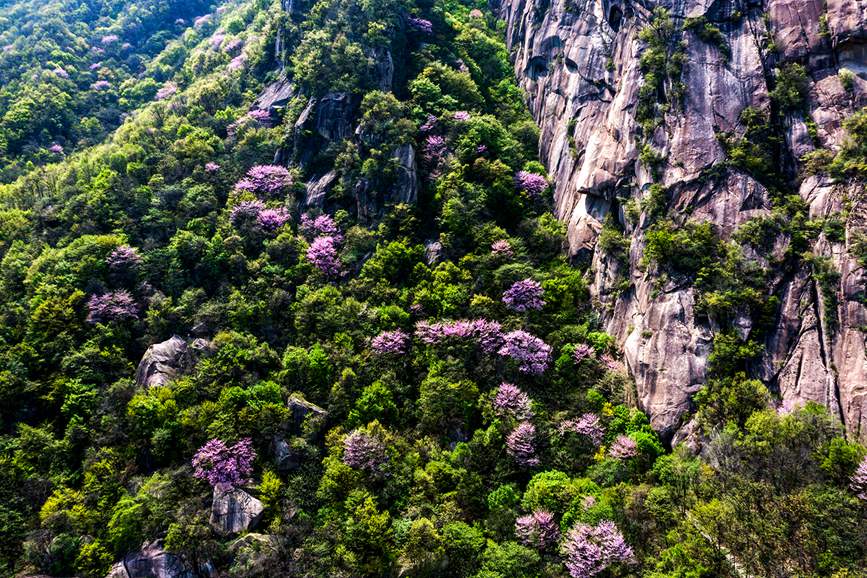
{"type": "Point", "coordinates": [578, 62]}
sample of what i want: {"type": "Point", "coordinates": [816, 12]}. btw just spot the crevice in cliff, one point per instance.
{"type": "Point", "coordinates": [824, 347]}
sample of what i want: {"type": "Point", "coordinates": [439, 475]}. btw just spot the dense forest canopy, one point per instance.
{"type": "Point", "coordinates": [402, 374]}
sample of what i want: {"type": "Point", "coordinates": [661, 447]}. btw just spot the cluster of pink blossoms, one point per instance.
{"type": "Point", "coordinates": [510, 401]}
{"type": "Point", "coordinates": [537, 530]}
{"type": "Point", "coordinates": [254, 213]}
{"type": "Point", "coordinates": [322, 253]}
{"type": "Point", "coordinates": [390, 342]}
{"type": "Point", "coordinates": [123, 258]}
{"type": "Point", "coordinates": [521, 445]}
{"type": "Point", "coordinates": [420, 24]}
{"type": "Point", "coordinates": [502, 248]}
{"type": "Point", "coordinates": [858, 481]}
{"type": "Point", "coordinates": [531, 353]}
{"type": "Point", "coordinates": [434, 149]}
{"type": "Point", "coordinates": [623, 447]}
{"type": "Point", "coordinates": [114, 306]}
{"type": "Point", "coordinates": [533, 184]}
{"type": "Point", "coordinates": [168, 90]}
{"type": "Point", "coordinates": [582, 352]}
{"type": "Point", "coordinates": [223, 466]}
{"type": "Point", "coordinates": [321, 225]}
{"type": "Point", "coordinates": [525, 295]}
{"type": "Point", "coordinates": [589, 550]}
{"type": "Point", "coordinates": [363, 451]}
{"type": "Point", "coordinates": [487, 334]}
{"type": "Point", "coordinates": [266, 179]}
{"type": "Point", "coordinates": [586, 425]}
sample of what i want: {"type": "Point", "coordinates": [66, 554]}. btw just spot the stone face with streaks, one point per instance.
{"type": "Point", "coordinates": [578, 63]}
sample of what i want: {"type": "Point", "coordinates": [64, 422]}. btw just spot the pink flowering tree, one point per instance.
{"type": "Point", "coordinates": [362, 451]}
{"type": "Point", "coordinates": [223, 466]}
{"type": "Point", "coordinates": [486, 334]}
{"type": "Point", "coordinates": [323, 225]}
{"type": "Point", "coordinates": [390, 343]}
{"type": "Point", "coordinates": [271, 220]}
{"type": "Point", "coordinates": [420, 24]}
{"type": "Point", "coordinates": [582, 352]}
{"type": "Point", "coordinates": [123, 259]}
{"type": "Point", "coordinates": [530, 353]}
{"type": "Point", "coordinates": [589, 550]}
{"type": "Point", "coordinates": [537, 530]}
{"type": "Point", "coordinates": [265, 179]}
{"type": "Point", "coordinates": [322, 253]}
{"type": "Point", "coordinates": [511, 402]}
{"type": "Point", "coordinates": [112, 307]}
{"type": "Point", "coordinates": [533, 184]}
{"type": "Point", "coordinates": [858, 481]}
{"type": "Point", "coordinates": [502, 248]}
{"type": "Point", "coordinates": [587, 425]}
{"type": "Point", "coordinates": [623, 447]}
{"type": "Point", "coordinates": [525, 295]}
{"type": "Point", "coordinates": [521, 445]}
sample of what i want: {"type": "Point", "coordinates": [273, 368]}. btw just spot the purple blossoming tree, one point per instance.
{"type": "Point", "coordinates": [225, 467]}
{"type": "Point", "coordinates": [512, 402]}
{"type": "Point", "coordinates": [591, 549]}
{"type": "Point", "coordinates": [56, 149]}
{"type": "Point", "coordinates": [586, 425]}
{"type": "Point", "coordinates": [390, 342]}
{"type": "Point", "coordinates": [537, 530]}
{"type": "Point", "coordinates": [114, 306]}
{"type": "Point", "coordinates": [211, 167]}
{"type": "Point", "coordinates": [461, 115]}
{"type": "Point", "coordinates": [858, 481]}
{"type": "Point", "coordinates": [487, 334]}
{"type": "Point", "coordinates": [502, 248]}
{"type": "Point", "coordinates": [525, 295]}
{"type": "Point", "coordinates": [323, 225]}
{"type": "Point", "coordinates": [167, 90]}
{"type": "Point", "coordinates": [246, 213]}
{"type": "Point", "coordinates": [322, 253]}
{"type": "Point", "coordinates": [623, 447]}
{"type": "Point", "coordinates": [521, 444]}
{"type": "Point", "coordinates": [533, 184]}
{"type": "Point", "coordinates": [265, 179]}
{"type": "Point", "coordinates": [531, 353]}
{"type": "Point", "coordinates": [420, 24]}
{"type": "Point", "coordinates": [582, 352]}
{"type": "Point", "coordinates": [124, 259]}
{"type": "Point", "coordinates": [363, 451]}
{"type": "Point", "coordinates": [270, 220]}
{"type": "Point", "coordinates": [434, 150]}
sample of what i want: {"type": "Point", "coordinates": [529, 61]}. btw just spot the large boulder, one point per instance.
{"type": "Point", "coordinates": [154, 562]}
{"type": "Point", "coordinates": [163, 362]}
{"type": "Point", "coordinates": [235, 511]}
{"type": "Point", "coordinates": [299, 408]}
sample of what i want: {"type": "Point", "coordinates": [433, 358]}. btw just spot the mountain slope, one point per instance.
{"type": "Point", "coordinates": [654, 122]}
{"type": "Point", "coordinates": [308, 312]}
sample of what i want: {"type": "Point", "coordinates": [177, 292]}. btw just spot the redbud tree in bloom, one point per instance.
{"type": "Point", "coordinates": [114, 306]}
{"type": "Point", "coordinates": [624, 447]}
{"type": "Point", "coordinates": [486, 334]}
{"type": "Point", "coordinates": [530, 353]}
{"type": "Point", "coordinates": [502, 248]}
{"type": "Point", "coordinates": [533, 184]}
{"type": "Point", "coordinates": [512, 402]}
{"type": "Point", "coordinates": [225, 467]}
{"type": "Point", "coordinates": [265, 179]}
{"type": "Point", "coordinates": [420, 24]}
{"type": "Point", "coordinates": [537, 530]}
{"type": "Point", "coordinates": [322, 253]}
{"type": "Point", "coordinates": [521, 444]}
{"type": "Point", "coordinates": [123, 259]}
{"type": "Point", "coordinates": [390, 342]}
{"type": "Point", "coordinates": [363, 451]}
{"type": "Point", "coordinates": [858, 481]}
{"type": "Point", "coordinates": [323, 225]}
{"type": "Point", "coordinates": [587, 425]}
{"type": "Point", "coordinates": [582, 352]}
{"type": "Point", "coordinates": [589, 550]}
{"type": "Point", "coordinates": [524, 295]}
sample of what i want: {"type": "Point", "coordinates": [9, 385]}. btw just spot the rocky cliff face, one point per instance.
{"type": "Point", "coordinates": [579, 63]}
